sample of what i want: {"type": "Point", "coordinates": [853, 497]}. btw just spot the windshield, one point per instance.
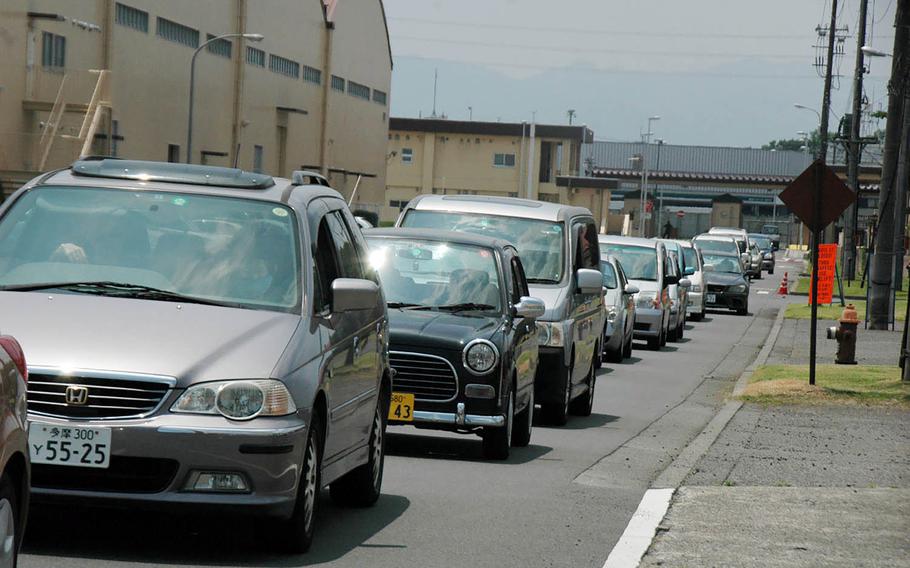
{"type": "Point", "coordinates": [717, 245]}
{"type": "Point", "coordinates": [639, 263]}
{"type": "Point", "coordinates": [762, 243]}
{"type": "Point", "coordinates": [540, 243]}
{"type": "Point", "coordinates": [418, 273]}
{"type": "Point", "coordinates": [239, 252]}
{"type": "Point", "coordinates": [690, 258]}
{"type": "Point", "coordinates": [722, 263]}
{"type": "Point", "coordinates": [609, 275]}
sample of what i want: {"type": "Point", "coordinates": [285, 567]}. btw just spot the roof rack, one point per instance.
{"type": "Point", "coordinates": [168, 172]}
{"type": "Point", "coordinates": [307, 177]}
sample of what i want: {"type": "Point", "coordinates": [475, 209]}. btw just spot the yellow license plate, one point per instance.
{"type": "Point", "coordinates": [402, 408]}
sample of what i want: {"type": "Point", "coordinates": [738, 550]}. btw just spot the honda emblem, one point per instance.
{"type": "Point", "coordinates": [76, 395]}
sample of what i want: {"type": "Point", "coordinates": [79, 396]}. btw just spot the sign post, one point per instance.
{"type": "Point", "coordinates": [804, 197]}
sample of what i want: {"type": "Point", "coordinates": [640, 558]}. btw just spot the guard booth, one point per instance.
{"type": "Point", "coordinates": [727, 211]}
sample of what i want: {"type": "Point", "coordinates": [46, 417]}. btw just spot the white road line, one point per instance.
{"type": "Point", "coordinates": [641, 529]}
{"type": "Point", "coordinates": [764, 292]}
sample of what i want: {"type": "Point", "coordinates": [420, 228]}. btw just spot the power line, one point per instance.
{"type": "Point", "coordinates": [559, 49]}
{"type": "Point", "coordinates": [599, 32]}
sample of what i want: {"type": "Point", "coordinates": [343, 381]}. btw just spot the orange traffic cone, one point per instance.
{"type": "Point", "coordinates": [784, 286]}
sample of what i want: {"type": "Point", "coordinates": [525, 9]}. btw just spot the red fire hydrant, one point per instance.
{"type": "Point", "coordinates": [845, 334]}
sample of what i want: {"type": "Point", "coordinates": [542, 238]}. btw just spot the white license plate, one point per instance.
{"type": "Point", "coordinates": [69, 445]}
{"type": "Point", "coordinates": [711, 298]}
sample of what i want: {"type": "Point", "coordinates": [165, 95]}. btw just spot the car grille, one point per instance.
{"type": "Point", "coordinates": [114, 397]}
{"type": "Point", "coordinates": [427, 377]}
{"type": "Point", "coordinates": [642, 326]}
{"type": "Point", "coordinates": [125, 474]}
{"type": "Point", "coordinates": [716, 288]}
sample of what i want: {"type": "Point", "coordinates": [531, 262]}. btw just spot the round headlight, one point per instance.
{"type": "Point", "coordinates": [611, 314]}
{"type": "Point", "coordinates": [543, 333]}
{"type": "Point", "coordinates": [240, 400]}
{"type": "Point", "coordinates": [480, 356]}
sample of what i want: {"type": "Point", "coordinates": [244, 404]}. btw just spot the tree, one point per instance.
{"type": "Point", "coordinates": [796, 144]}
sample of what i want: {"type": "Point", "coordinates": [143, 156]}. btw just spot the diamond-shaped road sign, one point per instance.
{"type": "Point", "coordinates": [835, 196]}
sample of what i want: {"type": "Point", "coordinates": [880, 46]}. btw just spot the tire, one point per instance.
{"type": "Point", "coordinates": [557, 413]}
{"type": "Point", "coordinates": [362, 486]}
{"type": "Point", "coordinates": [496, 441]}
{"type": "Point", "coordinates": [297, 532]}
{"type": "Point", "coordinates": [584, 405]}
{"type": "Point", "coordinates": [664, 334]}
{"type": "Point", "coordinates": [654, 343]}
{"type": "Point", "coordinates": [524, 423]}
{"type": "Point", "coordinates": [598, 356]}
{"type": "Point", "coordinates": [10, 523]}
{"type": "Point", "coordinates": [627, 348]}
{"type": "Point", "coordinates": [743, 311]}
{"type": "Point", "coordinates": [682, 328]}
{"type": "Point", "coordinates": [673, 336]}
{"type": "Point", "coordinates": [771, 271]}
{"type": "Point", "coordinates": [616, 355]}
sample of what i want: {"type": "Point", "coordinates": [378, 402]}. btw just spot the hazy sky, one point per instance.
{"type": "Point", "coordinates": [723, 72]}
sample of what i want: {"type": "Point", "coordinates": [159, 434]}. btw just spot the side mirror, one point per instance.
{"type": "Point", "coordinates": [631, 290]}
{"type": "Point", "coordinates": [529, 307]}
{"type": "Point", "coordinates": [351, 294]}
{"type": "Point", "coordinates": [685, 283]}
{"type": "Point", "coordinates": [589, 281]}
{"type": "Point", "coordinates": [746, 257]}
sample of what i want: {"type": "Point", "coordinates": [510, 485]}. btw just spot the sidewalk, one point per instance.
{"type": "Point", "coordinates": [798, 485]}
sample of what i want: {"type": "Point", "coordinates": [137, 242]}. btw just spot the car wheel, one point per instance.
{"type": "Point", "coordinates": [298, 530]}
{"type": "Point", "coordinates": [743, 311]}
{"type": "Point", "coordinates": [615, 355]}
{"type": "Point", "coordinates": [362, 486]}
{"type": "Point", "coordinates": [10, 523]}
{"type": "Point", "coordinates": [664, 334]}
{"type": "Point", "coordinates": [771, 271]}
{"type": "Point", "coordinates": [598, 356]}
{"type": "Point", "coordinates": [627, 348]}
{"type": "Point", "coordinates": [682, 328]}
{"type": "Point", "coordinates": [584, 405]}
{"type": "Point", "coordinates": [673, 336]}
{"type": "Point", "coordinates": [557, 413]}
{"type": "Point", "coordinates": [496, 441]}
{"type": "Point", "coordinates": [524, 423]}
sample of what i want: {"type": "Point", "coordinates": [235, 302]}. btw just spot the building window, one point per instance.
{"type": "Point", "coordinates": [284, 66]}
{"type": "Point", "coordinates": [337, 83]}
{"type": "Point", "coordinates": [173, 153]}
{"type": "Point", "coordinates": [255, 56]}
{"type": "Point", "coordinates": [172, 31]}
{"type": "Point", "coordinates": [504, 160]}
{"type": "Point", "coordinates": [257, 159]}
{"type": "Point", "coordinates": [132, 18]}
{"type": "Point", "coordinates": [398, 204]}
{"type": "Point", "coordinates": [380, 97]}
{"type": "Point", "coordinates": [407, 155]}
{"type": "Point", "coordinates": [220, 47]}
{"type": "Point", "coordinates": [53, 50]}
{"type": "Point", "coordinates": [358, 90]}
{"type": "Point", "coordinates": [312, 75]}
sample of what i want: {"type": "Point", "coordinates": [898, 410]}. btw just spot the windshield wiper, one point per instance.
{"type": "Point", "coordinates": [466, 306]}
{"type": "Point", "coordinates": [117, 289]}
{"type": "Point", "coordinates": [542, 281]}
{"type": "Point", "coordinates": [407, 306]}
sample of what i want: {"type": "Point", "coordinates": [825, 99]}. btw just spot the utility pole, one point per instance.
{"type": "Point", "coordinates": [435, 83]}
{"type": "Point", "coordinates": [853, 156]}
{"type": "Point", "coordinates": [881, 272]}
{"type": "Point", "coordinates": [817, 201]}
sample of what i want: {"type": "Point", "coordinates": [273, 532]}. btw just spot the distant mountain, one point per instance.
{"type": "Point", "coordinates": [745, 104]}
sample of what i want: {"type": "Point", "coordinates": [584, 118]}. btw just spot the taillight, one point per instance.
{"type": "Point", "coordinates": [11, 346]}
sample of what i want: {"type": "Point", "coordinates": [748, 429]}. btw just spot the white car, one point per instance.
{"type": "Point", "coordinates": [695, 273]}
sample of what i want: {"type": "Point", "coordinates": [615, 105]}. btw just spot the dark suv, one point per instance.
{"type": "Point", "coordinates": [463, 334]}
{"type": "Point", "coordinates": [197, 337]}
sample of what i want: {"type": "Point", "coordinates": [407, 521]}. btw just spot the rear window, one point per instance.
{"type": "Point", "coordinates": [639, 263]}
{"type": "Point", "coordinates": [717, 245]}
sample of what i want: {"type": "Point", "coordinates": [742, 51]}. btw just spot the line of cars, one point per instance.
{"type": "Point", "coordinates": [204, 338]}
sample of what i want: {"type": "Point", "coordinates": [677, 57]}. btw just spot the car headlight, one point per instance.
{"type": "Point", "coordinates": [647, 301]}
{"type": "Point", "coordinates": [480, 356]}
{"type": "Point", "coordinates": [549, 334]}
{"type": "Point", "coordinates": [768, 256]}
{"type": "Point", "coordinates": [695, 288]}
{"type": "Point", "coordinates": [611, 314]}
{"type": "Point", "coordinates": [237, 400]}
{"type": "Point", "coordinates": [738, 288]}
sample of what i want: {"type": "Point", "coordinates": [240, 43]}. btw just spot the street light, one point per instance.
{"type": "Point", "coordinates": [804, 107]}
{"type": "Point", "coordinates": [189, 129]}
{"type": "Point", "coordinates": [872, 52]}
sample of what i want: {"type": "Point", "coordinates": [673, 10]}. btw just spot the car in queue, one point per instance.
{"type": "Point", "coordinates": [462, 334]}
{"type": "Point", "coordinates": [679, 292]}
{"type": "Point", "coordinates": [727, 285]}
{"type": "Point", "coordinates": [694, 273]}
{"type": "Point", "coordinates": [741, 237]}
{"type": "Point", "coordinates": [764, 244]}
{"type": "Point", "coordinates": [645, 263]}
{"type": "Point", "coordinates": [773, 233]}
{"type": "Point", "coordinates": [755, 260]}
{"type": "Point", "coordinates": [722, 243]}
{"type": "Point", "coordinates": [559, 249]}
{"type": "Point", "coordinates": [15, 467]}
{"type": "Point", "coordinates": [207, 338]}
{"type": "Point", "coordinates": [619, 302]}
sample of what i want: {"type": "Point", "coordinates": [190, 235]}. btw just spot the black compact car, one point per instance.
{"type": "Point", "coordinates": [767, 248]}
{"type": "Point", "coordinates": [726, 285]}
{"type": "Point", "coordinates": [463, 335]}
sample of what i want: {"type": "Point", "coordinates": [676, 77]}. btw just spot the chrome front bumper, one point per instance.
{"type": "Point", "coordinates": [458, 418]}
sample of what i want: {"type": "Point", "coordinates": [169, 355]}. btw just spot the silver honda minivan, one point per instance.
{"type": "Point", "coordinates": [558, 246]}
{"type": "Point", "coordinates": [198, 337]}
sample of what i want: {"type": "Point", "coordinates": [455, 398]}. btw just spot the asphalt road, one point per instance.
{"type": "Point", "coordinates": [563, 501]}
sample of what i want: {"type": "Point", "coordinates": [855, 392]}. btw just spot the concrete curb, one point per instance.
{"type": "Point", "coordinates": [639, 533]}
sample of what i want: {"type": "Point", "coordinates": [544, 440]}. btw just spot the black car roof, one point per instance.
{"type": "Point", "coordinates": [457, 237]}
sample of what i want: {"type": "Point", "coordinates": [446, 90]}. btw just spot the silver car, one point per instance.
{"type": "Point", "coordinates": [558, 246]}
{"type": "Point", "coordinates": [619, 302]}
{"type": "Point", "coordinates": [15, 469]}
{"type": "Point", "coordinates": [694, 273]}
{"type": "Point", "coordinates": [198, 337]}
